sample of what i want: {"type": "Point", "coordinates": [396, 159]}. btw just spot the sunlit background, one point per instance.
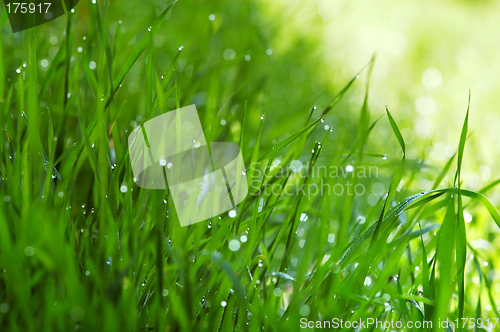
{"type": "Point", "coordinates": [428, 55]}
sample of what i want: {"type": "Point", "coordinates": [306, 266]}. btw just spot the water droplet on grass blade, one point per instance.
{"type": "Point", "coordinates": [234, 245]}
{"type": "Point", "coordinates": [77, 313]}
{"type": "Point", "coordinates": [331, 238]}
{"type": "Point", "coordinates": [4, 308]}
{"type": "Point", "coordinates": [304, 310]}
{"type": "Point", "coordinates": [29, 251]}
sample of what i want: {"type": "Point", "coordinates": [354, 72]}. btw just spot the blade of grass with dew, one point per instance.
{"type": "Point", "coordinates": [461, 245]}
{"type": "Point", "coordinates": [444, 254]}
{"type": "Point", "coordinates": [378, 236]}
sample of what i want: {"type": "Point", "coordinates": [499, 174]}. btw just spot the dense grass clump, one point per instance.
{"type": "Point", "coordinates": [334, 226]}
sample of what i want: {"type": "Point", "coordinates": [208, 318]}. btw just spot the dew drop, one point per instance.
{"type": "Point", "coordinates": [304, 310]}
{"type": "Point", "coordinates": [234, 245]}
{"type": "Point", "coordinates": [4, 308]}
{"type": "Point", "coordinates": [29, 251]}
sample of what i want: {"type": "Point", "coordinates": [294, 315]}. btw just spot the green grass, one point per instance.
{"type": "Point", "coordinates": [77, 250]}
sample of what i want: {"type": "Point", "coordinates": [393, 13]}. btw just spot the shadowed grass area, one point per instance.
{"type": "Point", "coordinates": [333, 227]}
